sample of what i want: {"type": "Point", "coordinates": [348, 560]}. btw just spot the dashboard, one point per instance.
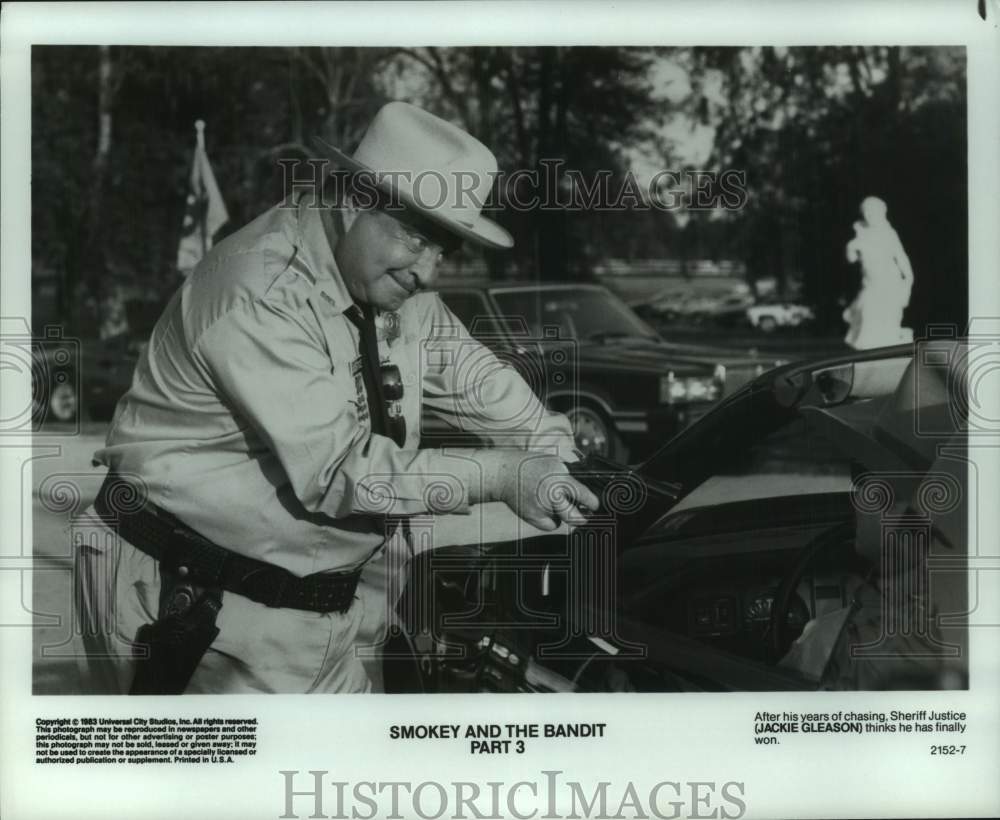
{"type": "Point", "coordinates": [726, 600]}
{"type": "Point", "coordinates": [511, 619]}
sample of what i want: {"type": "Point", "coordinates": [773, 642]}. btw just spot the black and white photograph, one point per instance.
{"type": "Point", "coordinates": [678, 311]}
{"type": "Point", "coordinates": [581, 367]}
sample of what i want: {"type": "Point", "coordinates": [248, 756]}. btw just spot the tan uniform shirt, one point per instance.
{"type": "Point", "coordinates": [247, 415]}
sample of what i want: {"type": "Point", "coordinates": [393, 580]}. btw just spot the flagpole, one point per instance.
{"type": "Point", "coordinates": [199, 127]}
{"type": "Point", "coordinates": [205, 211]}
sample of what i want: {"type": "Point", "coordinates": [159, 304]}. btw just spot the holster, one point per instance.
{"type": "Point", "coordinates": [167, 651]}
{"type": "Point", "coordinates": [194, 572]}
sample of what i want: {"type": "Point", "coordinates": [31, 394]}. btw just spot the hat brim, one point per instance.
{"type": "Point", "coordinates": [481, 230]}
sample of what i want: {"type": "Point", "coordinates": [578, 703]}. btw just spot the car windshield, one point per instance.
{"type": "Point", "coordinates": [804, 431]}
{"type": "Point", "coordinates": [794, 460]}
{"type": "Point", "coordinates": [585, 314]}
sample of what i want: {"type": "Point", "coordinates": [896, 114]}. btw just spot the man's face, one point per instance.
{"type": "Point", "coordinates": [385, 260]}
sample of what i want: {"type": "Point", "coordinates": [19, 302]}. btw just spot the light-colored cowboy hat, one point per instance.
{"type": "Point", "coordinates": [432, 167]}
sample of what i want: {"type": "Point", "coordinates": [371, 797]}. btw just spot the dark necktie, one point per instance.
{"type": "Point", "coordinates": [364, 320]}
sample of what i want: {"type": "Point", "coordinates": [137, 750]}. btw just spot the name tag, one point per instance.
{"type": "Point", "coordinates": [357, 370]}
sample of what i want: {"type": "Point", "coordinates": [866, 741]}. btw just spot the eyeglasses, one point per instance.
{"type": "Point", "coordinates": [417, 234]}
{"type": "Point", "coordinates": [392, 393]}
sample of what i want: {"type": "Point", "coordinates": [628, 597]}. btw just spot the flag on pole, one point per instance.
{"type": "Point", "coordinates": [205, 211]}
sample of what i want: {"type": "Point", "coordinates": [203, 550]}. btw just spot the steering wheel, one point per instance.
{"type": "Point", "coordinates": [780, 640]}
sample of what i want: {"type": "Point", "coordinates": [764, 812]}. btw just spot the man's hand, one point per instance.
{"type": "Point", "coordinates": [536, 486]}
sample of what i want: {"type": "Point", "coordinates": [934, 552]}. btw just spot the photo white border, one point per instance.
{"type": "Point", "coordinates": [650, 737]}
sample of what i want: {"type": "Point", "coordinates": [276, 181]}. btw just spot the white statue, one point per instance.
{"type": "Point", "coordinates": [875, 317]}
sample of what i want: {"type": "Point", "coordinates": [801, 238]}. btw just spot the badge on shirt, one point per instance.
{"type": "Point", "coordinates": [390, 327]}
{"type": "Point", "coordinates": [357, 370]}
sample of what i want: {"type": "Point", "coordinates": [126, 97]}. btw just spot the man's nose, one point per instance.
{"type": "Point", "coordinates": [425, 269]}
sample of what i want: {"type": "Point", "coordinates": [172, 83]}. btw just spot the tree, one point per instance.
{"type": "Point", "coordinates": [536, 108]}
{"type": "Point", "coordinates": [817, 130]}
{"type": "Point", "coordinates": [69, 230]}
{"type": "Point", "coordinates": [112, 135]}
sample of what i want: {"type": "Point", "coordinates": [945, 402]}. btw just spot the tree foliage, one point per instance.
{"type": "Point", "coordinates": [815, 129]}
{"type": "Point", "coordinates": [819, 129]}
{"type": "Point", "coordinates": [545, 105]}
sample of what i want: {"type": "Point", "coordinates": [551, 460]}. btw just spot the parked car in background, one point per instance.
{"type": "Point", "coordinates": [733, 310]}
{"type": "Point", "coordinates": [55, 378]}
{"type": "Point", "coordinates": [730, 311]}
{"type": "Point", "coordinates": [587, 354]}
{"type": "Point", "coordinates": [83, 377]}
{"type": "Point", "coordinates": [700, 307]}
{"type": "Point", "coordinates": [769, 316]}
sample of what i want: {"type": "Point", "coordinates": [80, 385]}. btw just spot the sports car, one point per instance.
{"type": "Point", "coordinates": [807, 533]}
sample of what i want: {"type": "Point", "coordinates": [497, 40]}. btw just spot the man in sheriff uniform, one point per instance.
{"type": "Point", "coordinates": [273, 423]}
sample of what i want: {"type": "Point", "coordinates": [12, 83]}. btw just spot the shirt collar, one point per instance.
{"type": "Point", "coordinates": [315, 248]}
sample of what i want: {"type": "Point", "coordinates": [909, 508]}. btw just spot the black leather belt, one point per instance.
{"type": "Point", "coordinates": [183, 551]}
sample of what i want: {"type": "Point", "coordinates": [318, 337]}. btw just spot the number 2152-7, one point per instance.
{"type": "Point", "coordinates": [948, 750]}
